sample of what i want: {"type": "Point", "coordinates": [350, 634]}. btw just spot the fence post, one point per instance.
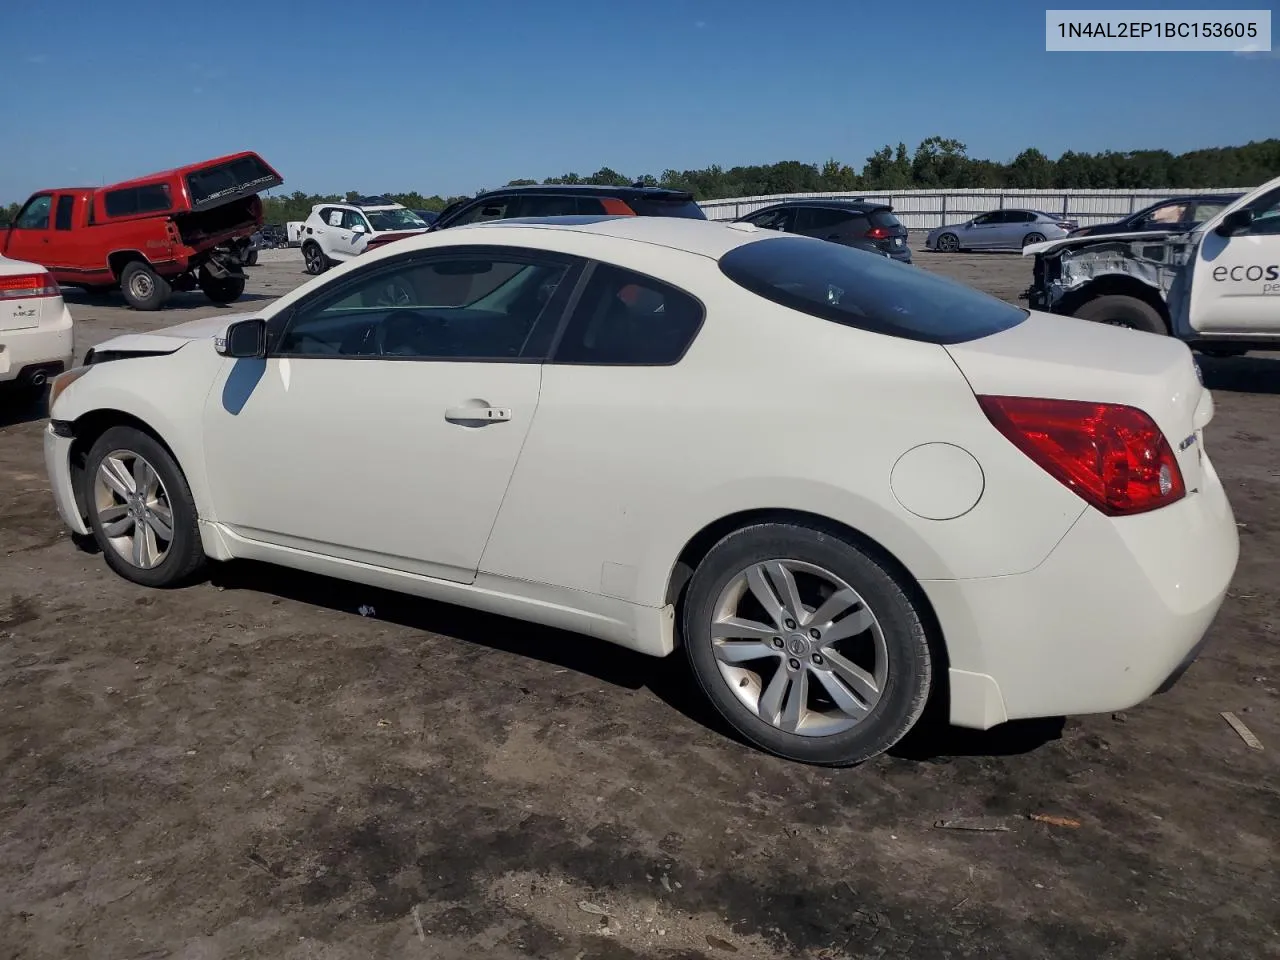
{"type": "Point", "coordinates": [943, 221]}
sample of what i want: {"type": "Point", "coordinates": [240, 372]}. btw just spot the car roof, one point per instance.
{"type": "Point", "coordinates": [835, 203]}
{"type": "Point", "coordinates": [593, 189]}
{"type": "Point", "coordinates": [707, 238]}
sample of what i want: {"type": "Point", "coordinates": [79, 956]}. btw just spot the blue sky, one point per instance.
{"type": "Point", "coordinates": [375, 95]}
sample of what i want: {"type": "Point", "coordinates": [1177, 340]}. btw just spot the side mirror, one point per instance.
{"type": "Point", "coordinates": [1234, 223]}
{"type": "Point", "coordinates": [358, 228]}
{"type": "Point", "coordinates": [244, 340]}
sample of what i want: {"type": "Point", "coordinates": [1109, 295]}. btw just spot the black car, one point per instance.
{"type": "Point", "coordinates": [1178, 214]}
{"type": "Point", "coordinates": [427, 216]}
{"type": "Point", "coordinates": [862, 224]}
{"type": "Point", "coordinates": [569, 200]}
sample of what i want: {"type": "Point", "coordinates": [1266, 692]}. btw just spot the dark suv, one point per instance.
{"type": "Point", "coordinates": [567, 200]}
{"type": "Point", "coordinates": [854, 223]}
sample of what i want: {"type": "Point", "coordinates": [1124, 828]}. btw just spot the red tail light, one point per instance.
{"type": "Point", "coordinates": [879, 233]}
{"type": "Point", "coordinates": [1113, 456]}
{"type": "Point", "coordinates": [26, 286]}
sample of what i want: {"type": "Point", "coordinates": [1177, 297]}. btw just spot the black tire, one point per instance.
{"type": "Point", "coordinates": [251, 258]}
{"type": "Point", "coordinates": [1031, 238]}
{"type": "Point", "coordinates": [905, 688]}
{"type": "Point", "coordinates": [948, 243]}
{"type": "Point", "coordinates": [184, 556]}
{"type": "Point", "coordinates": [314, 258]}
{"type": "Point", "coordinates": [143, 288]}
{"type": "Point", "coordinates": [220, 290]}
{"type": "Point", "coordinates": [1121, 311]}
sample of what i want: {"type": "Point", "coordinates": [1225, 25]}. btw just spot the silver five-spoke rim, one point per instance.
{"type": "Point", "coordinates": [133, 508]}
{"type": "Point", "coordinates": [799, 647]}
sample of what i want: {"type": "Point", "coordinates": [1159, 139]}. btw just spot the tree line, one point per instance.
{"type": "Point", "coordinates": [936, 163]}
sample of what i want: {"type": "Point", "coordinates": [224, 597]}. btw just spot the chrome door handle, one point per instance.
{"type": "Point", "coordinates": [477, 415]}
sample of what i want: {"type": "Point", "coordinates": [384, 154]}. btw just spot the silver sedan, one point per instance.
{"type": "Point", "coordinates": [999, 230]}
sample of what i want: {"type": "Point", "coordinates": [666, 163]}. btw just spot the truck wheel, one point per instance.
{"type": "Point", "coordinates": [1121, 311]}
{"type": "Point", "coordinates": [142, 287]}
{"type": "Point", "coordinates": [314, 258]}
{"type": "Point", "coordinates": [251, 258]}
{"type": "Point", "coordinates": [221, 290]}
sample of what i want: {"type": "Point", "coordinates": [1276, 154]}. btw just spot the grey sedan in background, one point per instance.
{"type": "Point", "coordinates": [999, 230]}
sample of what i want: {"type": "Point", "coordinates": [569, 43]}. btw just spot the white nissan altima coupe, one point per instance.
{"type": "Point", "coordinates": [842, 485]}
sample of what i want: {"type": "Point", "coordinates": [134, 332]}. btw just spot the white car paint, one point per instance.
{"type": "Point", "coordinates": [347, 229]}
{"type": "Point", "coordinates": [574, 511]}
{"type": "Point", "coordinates": [36, 329]}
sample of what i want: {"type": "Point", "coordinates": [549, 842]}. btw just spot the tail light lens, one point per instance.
{"type": "Point", "coordinates": [879, 233]}
{"type": "Point", "coordinates": [1113, 456]}
{"type": "Point", "coordinates": [28, 285]}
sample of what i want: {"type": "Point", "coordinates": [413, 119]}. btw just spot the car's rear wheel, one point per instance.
{"type": "Point", "coordinates": [314, 259]}
{"type": "Point", "coordinates": [948, 243]}
{"type": "Point", "coordinates": [221, 290]}
{"type": "Point", "coordinates": [806, 644]}
{"type": "Point", "coordinates": [142, 287]}
{"type": "Point", "coordinates": [1118, 310]}
{"type": "Point", "coordinates": [140, 509]}
{"type": "Point", "coordinates": [1031, 238]}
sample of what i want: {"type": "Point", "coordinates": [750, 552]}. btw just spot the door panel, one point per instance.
{"type": "Point", "coordinates": [1235, 284]}
{"type": "Point", "coordinates": [29, 235]}
{"type": "Point", "coordinates": [387, 421]}
{"type": "Point", "coordinates": [367, 460]}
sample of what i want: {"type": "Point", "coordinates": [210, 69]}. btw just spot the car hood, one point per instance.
{"type": "Point", "coordinates": [169, 339]}
{"type": "Point", "coordinates": [1049, 246]}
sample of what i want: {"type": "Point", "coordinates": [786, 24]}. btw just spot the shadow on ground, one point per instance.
{"type": "Point", "coordinates": [1248, 374]}
{"type": "Point", "coordinates": [669, 679]}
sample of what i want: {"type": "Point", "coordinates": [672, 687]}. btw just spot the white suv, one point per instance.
{"type": "Point", "coordinates": [336, 232]}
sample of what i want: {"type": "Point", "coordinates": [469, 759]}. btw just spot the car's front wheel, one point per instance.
{"type": "Point", "coordinates": [140, 509]}
{"type": "Point", "coordinates": [807, 644]}
{"type": "Point", "coordinates": [948, 243]}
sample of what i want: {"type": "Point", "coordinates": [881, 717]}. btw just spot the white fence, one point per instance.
{"type": "Point", "coordinates": [926, 209]}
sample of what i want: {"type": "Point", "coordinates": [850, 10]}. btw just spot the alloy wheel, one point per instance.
{"type": "Point", "coordinates": [133, 508]}
{"type": "Point", "coordinates": [799, 647]}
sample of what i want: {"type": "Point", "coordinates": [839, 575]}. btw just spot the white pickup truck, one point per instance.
{"type": "Point", "coordinates": [1217, 287]}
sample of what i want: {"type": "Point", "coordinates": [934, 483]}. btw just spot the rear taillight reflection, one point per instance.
{"type": "Point", "coordinates": [879, 233]}
{"type": "Point", "coordinates": [1113, 456]}
{"type": "Point", "coordinates": [28, 285]}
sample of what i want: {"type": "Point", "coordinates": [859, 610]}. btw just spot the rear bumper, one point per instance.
{"type": "Point", "coordinates": [1115, 614]}
{"type": "Point", "coordinates": [44, 349]}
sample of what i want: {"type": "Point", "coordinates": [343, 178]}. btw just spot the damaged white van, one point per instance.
{"type": "Point", "coordinates": [1216, 287]}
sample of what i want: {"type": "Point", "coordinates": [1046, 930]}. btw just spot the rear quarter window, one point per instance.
{"type": "Point", "coordinates": [865, 290]}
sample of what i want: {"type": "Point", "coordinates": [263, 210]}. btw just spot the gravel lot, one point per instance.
{"type": "Point", "coordinates": [250, 768]}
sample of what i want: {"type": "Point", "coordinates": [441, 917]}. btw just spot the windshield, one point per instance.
{"type": "Point", "coordinates": [401, 219]}
{"type": "Point", "coordinates": [866, 290]}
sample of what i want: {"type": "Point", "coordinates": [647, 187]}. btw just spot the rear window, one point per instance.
{"type": "Point", "coordinates": [149, 198]}
{"type": "Point", "coordinates": [242, 175]}
{"type": "Point", "coordinates": [884, 218]}
{"type": "Point", "coordinates": [866, 290]}
{"type": "Point", "coordinates": [650, 207]}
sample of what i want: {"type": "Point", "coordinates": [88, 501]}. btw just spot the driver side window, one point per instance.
{"type": "Point", "coordinates": [1266, 215]}
{"type": "Point", "coordinates": [36, 214]}
{"type": "Point", "coordinates": [473, 305]}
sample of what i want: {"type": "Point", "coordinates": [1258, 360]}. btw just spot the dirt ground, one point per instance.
{"type": "Point", "coordinates": [251, 768]}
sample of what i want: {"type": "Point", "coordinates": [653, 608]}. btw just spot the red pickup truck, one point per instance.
{"type": "Point", "coordinates": [169, 231]}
